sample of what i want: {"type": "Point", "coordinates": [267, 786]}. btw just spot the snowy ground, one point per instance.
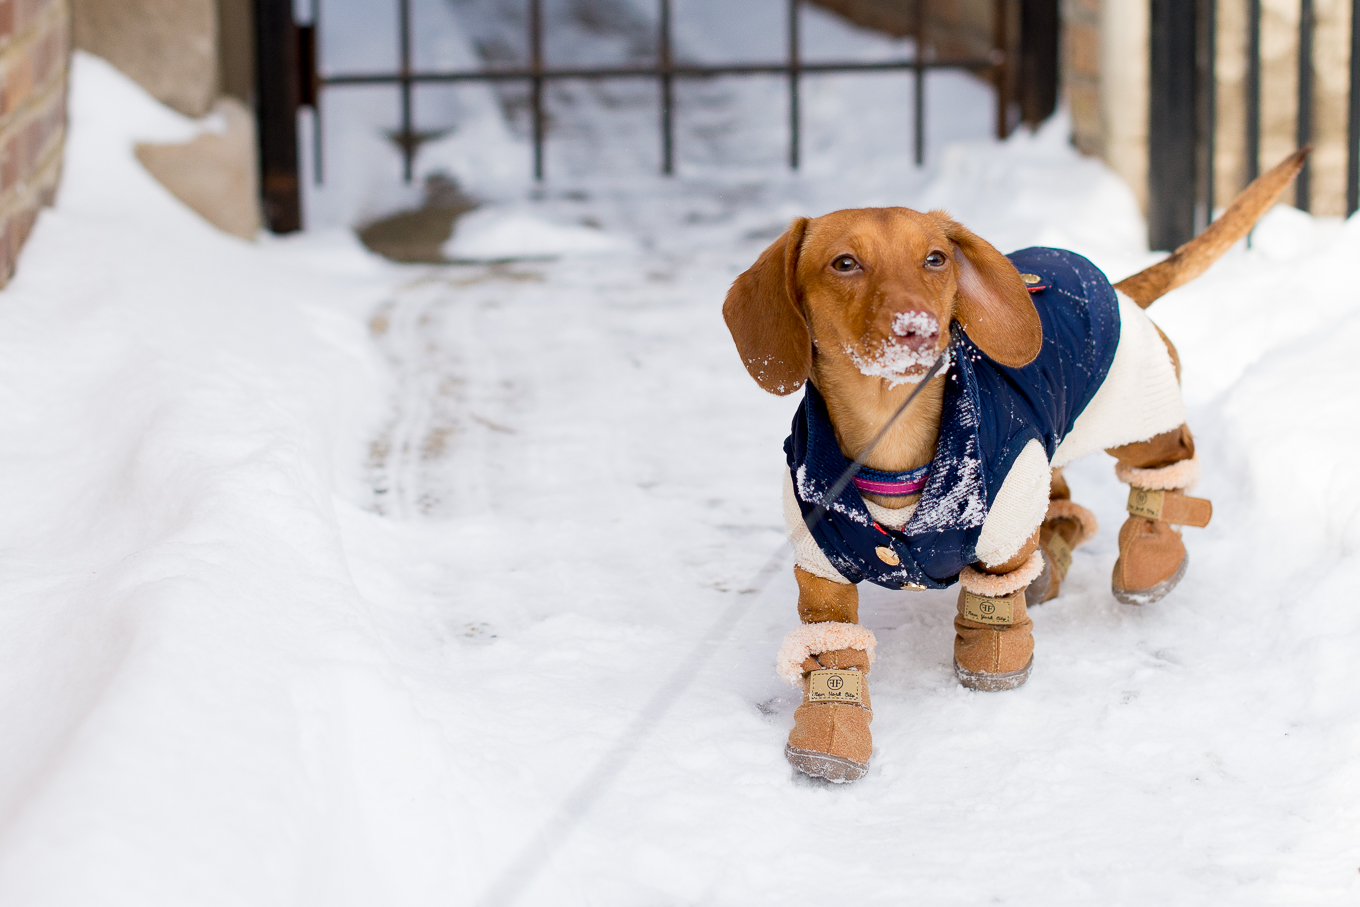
{"type": "Point", "coordinates": [327, 581]}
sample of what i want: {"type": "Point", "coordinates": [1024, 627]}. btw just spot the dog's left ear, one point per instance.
{"type": "Point", "coordinates": [765, 316]}
{"type": "Point", "coordinates": [993, 304]}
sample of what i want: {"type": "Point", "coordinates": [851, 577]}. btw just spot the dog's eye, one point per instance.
{"type": "Point", "coordinates": [935, 260]}
{"type": "Point", "coordinates": [845, 263]}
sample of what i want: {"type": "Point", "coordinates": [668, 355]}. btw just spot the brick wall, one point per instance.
{"type": "Point", "coordinates": [34, 52]}
{"type": "Point", "coordinates": [954, 29]}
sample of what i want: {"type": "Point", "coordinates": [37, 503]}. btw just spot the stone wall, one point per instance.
{"type": "Point", "coordinates": [169, 47]}
{"type": "Point", "coordinates": [34, 52]}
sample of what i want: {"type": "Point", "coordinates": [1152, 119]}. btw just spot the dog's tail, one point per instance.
{"type": "Point", "coordinates": [1193, 258]}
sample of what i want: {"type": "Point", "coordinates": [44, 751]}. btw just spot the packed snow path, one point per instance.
{"type": "Point", "coordinates": [327, 581]}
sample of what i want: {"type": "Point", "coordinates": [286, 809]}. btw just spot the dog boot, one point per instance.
{"type": "Point", "coordinates": [830, 737]}
{"type": "Point", "coordinates": [1065, 527]}
{"type": "Point", "coordinates": [1152, 557]}
{"type": "Point", "coordinates": [994, 639]}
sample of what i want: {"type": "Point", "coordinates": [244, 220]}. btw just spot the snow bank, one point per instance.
{"type": "Point", "coordinates": [182, 409]}
{"type": "Point", "coordinates": [285, 621]}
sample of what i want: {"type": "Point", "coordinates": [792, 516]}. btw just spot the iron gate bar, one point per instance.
{"type": "Point", "coordinates": [407, 135]}
{"type": "Point", "coordinates": [1253, 91]}
{"type": "Point", "coordinates": [918, 85]}
{"type": "Point", "coordinates": [536, 83]}
{"type": "Point", "coordinates": [665, 71]}
{"type": "Point", "coordinates": [795, 126]}
{"type": "Point", "coordinates": [1304, 120]}
{"type": "Point", "coordinates": [1207, 54]}
{"type": "Point", "coordinates": [1353, 120]}
{"type": "Point", "coordinates": [681, 70]}
{"type": "Point", "coordinates": [667, 87]}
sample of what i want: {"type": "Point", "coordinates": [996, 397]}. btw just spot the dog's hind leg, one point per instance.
{"type": "Point", "coordinates": [1152, 556]}
{"type": "Point", "coordinates": [829, 656]}
{"type": "Point", "coordinates": [1066, 526]}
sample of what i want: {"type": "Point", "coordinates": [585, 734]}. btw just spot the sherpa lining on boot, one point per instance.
{"type": "Point", "coordinates": [1180, 476]}
{"type": "Point", "coordinates": [814, 639]}
{"type": "Point", "coordinates": [998, 585]}
{"type": "Point", "coordinates": [1063, 509]}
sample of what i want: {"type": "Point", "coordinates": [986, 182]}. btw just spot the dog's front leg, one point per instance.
{"type": "Point", "coordinates": [829, 656]}
{"type": "Point", "coordinates": [994, 640]}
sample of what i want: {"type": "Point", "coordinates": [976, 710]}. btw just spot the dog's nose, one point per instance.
{"type": "Point", "coordinates": [918, 330]}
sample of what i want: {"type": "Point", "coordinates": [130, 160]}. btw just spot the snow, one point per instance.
{"type": "Point", "coordinates": [493, 234]}
{"type": "Point", "coordinates": [332, 581]}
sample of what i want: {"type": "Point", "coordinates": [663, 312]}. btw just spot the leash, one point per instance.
{"type": "Point", "coordinates": [512, 882]}
{"type": "Point", "coordinates": [853, 469]}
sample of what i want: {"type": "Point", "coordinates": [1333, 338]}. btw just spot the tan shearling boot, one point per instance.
{"type": "Point", "coordinates": [994, 639]}
{"type": "Point", "coordinates": [1152, 556]}
{"type": "Point", "coordinates": [1066, 527]}
{"type": "Point", "coordinates": [830, 737]}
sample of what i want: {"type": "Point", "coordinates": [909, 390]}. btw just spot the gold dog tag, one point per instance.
{"type": "Point", "coordinates": [836, 686]}
{"type": "Point", "coordinates": [999, 611]}
{"type": "Point", "coordinates": [887, 555]}
{"type": "Point", "coordinates": [1030, 279]}
{"type": "Point", "coordinates": [1061, 552]}
{"type": "Point", "coordinates": [1145, 502]}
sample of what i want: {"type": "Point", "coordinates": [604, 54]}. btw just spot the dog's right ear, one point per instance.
{"type": "Point", "coordinates": [765, 316]}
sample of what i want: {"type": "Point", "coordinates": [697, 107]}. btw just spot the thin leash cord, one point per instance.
{"type": "Point", "coordinates": [853, 469]}
{"type": "Point", "coordinates": [516, 878]}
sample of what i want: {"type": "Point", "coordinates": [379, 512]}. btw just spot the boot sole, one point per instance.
{"type": "Point", "coordinates": [1156, 593]}
{"type": "Point", "coordinates": [836, 769]}
{"type": "Point", "coordinates": [992, 683]}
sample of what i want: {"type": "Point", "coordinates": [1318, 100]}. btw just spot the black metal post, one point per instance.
{"type": "Point", "coordinates": [667, 88]}
{"type": "Point", "coordinates": [1353, 121]}
{"type": "Point", "coordinates": [1207, 55]}
{"type": "Point", "coordinates": [312, 73]}
{"type": "Point", "coordinates": [794, 67]}
{"type": "Point", "coordinates": [407, 137]}
{"type": "Point", "coordinates": [276, 105]}
{"type": "Point", "coordinates": [918, 102]}
{"type": "Point", "coordinates": [1039, 26]}
{"type": "Point", "coordinates": [1253, 89]}
{"type": "Point", "coordinates": [1302, 185]}
{"type": "Point", "coordinates": [1172, 157]}
{"type": "Point", "coordinates": [1001, 70]}
{"type": "Point", "coordinates": [536, 81]}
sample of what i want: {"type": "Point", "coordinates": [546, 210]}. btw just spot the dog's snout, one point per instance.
{"type": "Point", "coordinates": [916, 329]}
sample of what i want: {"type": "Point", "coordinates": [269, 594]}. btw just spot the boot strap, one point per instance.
{"type": "Point", "coordinates": [1059, 554]}
{"type": "Point", "coordinates": [1169, 507]}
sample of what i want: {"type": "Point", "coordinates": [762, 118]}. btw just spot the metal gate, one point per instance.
{"type": "Point", "coordinates": [290, 77]}
{"type": "Point", "coordinates": [1184, 113]}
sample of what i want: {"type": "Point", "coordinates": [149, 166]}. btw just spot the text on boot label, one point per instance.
{"type": "Point", "coordinates": [836, 686]}
{"type": "Point", "coordinates": [987, 610]}
{"type": "Point", "coordinates": [1146, 503]}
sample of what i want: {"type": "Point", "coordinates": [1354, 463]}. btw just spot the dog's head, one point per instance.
{"type": "Point", "coordinates": [880, 286]}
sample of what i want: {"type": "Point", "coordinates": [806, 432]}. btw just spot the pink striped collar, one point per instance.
{"type": "Point", "coordinates": [892, 484]}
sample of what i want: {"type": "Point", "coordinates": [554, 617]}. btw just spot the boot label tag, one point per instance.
{"type": "Point", "coordinates": [1061, 552]}
{"type": "Point", "coordinates": [1146, 503]}
{"type": "Point", "coordinates": [836, 686]}
{"type": "Point", "coordinates": [987, 610]}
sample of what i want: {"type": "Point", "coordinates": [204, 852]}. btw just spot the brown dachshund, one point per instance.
{"type": "Point", "coordinates": [1045, 362]}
